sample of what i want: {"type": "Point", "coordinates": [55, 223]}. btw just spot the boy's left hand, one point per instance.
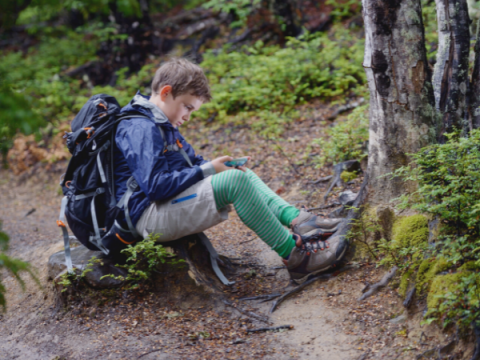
{"type": "Point", "coordinates": [243, 167]}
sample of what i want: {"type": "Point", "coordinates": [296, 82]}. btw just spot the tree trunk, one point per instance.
{"type": "Point", "coordinates": [475, 87]}
{"type": "Point", "coordinates": [402, 112]}
{"type": "Point", "coordinates": [450, 79]}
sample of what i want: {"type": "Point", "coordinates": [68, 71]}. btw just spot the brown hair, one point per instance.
{"type": "Point", "coordinates": [184, 77]}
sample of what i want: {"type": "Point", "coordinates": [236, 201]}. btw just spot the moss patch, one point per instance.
{"type": "Point", "coordinates": [427, 271]}
{"type": "Point", "coordinates": [347, 176]}
{"type": "Point", "coordinates": [405, 280]}
{"type": "Point", "coordinates": [410, 230]}
{"type": "Point", "coordinates": [441, 285]}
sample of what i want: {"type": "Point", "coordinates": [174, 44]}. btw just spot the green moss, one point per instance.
{"type": "Point", "coordinates": [410, 230]}
{"type": "Point", "coordinates": [471, 265]}
{"type": "Point", "coordinates": [347, 176]}
{"type": "Point", "coordinates": [441, 285]}
{"type": "Point", "coordinates": [405, 281]}
{"type": "Point", "coordinates": [427, 271]}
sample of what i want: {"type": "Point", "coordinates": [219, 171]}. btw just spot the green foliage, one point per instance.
{"type": "Point", "coordinates": [344, 9]}
{"type": "Point", "coordinates": [345, 140]}
{"type": "Point", "coordinates": [448, 186]}
{"type": "Point", "coordinates": [347, 176]}
{"type": "Point", "coordinates": [241, 9]}
{"type": "Point", "coordinates": [13, 266]}
{"type": "Point", "coordinates": [429, 14]}
{"type": "Point", "coordinates": [268, 81]}
{"type": "Point", "coordinates": [144, 259]}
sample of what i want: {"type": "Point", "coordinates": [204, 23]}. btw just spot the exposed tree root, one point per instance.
{"type": "Point", "coordinates": [304, 285]}
{"type": "Point", "coordinates": [409, 298]}
{"type": "Point", "coordinates": [288, 327]}
{"type": "Point", "coordinates": [350, 165]}
{"type": "Point", "coordinates": [247, 313]}
{"type": "Point", "coordinates": [379, 285]}
{"type": "Point", "coordinates": [261, 297]}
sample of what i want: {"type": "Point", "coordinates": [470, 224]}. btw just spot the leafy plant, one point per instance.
{"type": "Point", "coordinates": [345, 140]}
{"type": "Point", "coordinates": [76, 278]}
{"type": "Point", "coordinates": [241, 9]}
{"type": "Point", "coordinates": [144, 259]}
{"type": "Point", "coordinates": [447, 177]}
{"type": "Point", "coordinates": [13, 266]}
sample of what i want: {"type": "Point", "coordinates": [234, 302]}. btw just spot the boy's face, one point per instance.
{"type": "Point", "coordinates": [179, 109]}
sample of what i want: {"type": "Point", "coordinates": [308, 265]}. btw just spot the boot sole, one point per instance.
{"type": "Point", "coordinates": [301, 280]}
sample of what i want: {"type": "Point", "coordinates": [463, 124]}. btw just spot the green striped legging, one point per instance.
{"type": "Point", "coordinates": [258, 207]}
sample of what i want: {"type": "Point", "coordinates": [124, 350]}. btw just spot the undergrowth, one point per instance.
{"type": "Point", "coordinates": [448, 178]}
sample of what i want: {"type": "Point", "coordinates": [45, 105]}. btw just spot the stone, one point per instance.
{"type": "Point", "coordinates": [347, 197]}
{"type": "Point", "coordinates": [80, 257]}
{"type": "Point", "coordinates": [399, 319]}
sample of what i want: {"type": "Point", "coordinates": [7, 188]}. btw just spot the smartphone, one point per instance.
{"type": "Point", "coordinates": [236, 162]}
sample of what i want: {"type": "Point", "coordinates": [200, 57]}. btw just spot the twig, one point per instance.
{"type": "Point", "coordinates": [261, 297]}
{"type": "Point", "coordinates": [149, 353]}
{"type": "Point", "coordinates": [379, 285]}
{"type": "Point", "coordinates": [246, 241]}
{"type": "Point", "coordinates": [289, 327]}
{"type": "Point", "coordinates": [245, 312]}
{"type": "Point", "coordinates": [322, 179]}
{"type": "Point", "coordinates": [304, 285]}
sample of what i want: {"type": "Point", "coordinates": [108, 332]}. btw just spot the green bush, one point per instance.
{"type": "Point", "coordinates": [448, 178]}
{"type": "Point", "coordinates": [144, 259]}
{"type": "Point", "coordinates": [12, 266]}
{"type": "Point", "coordinates": [345, 140]}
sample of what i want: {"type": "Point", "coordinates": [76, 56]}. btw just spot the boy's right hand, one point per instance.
{"type": "Point", "coordinates": [219, 165]}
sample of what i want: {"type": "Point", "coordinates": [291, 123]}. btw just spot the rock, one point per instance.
{"type": "Point", "coordinates": [347, 197]}
{"type": "Point", "coordinates": [399, 319]}
{"type": "Point", "coordinates": [80, 257]}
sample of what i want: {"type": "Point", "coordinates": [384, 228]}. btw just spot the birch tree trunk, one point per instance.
{"type": "Point", "coordinates": [402, 111]}
{"type": "Point", "coordinates": [450, 79]}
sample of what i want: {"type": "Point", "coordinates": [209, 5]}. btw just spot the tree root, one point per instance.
{"type": "Point", "coordinates": [350, 165]}
{"type": "Point", "coordinates": [304, 285]}
{"type": "Point", "coordinates": [476, 354]}
{"type": "Point", "coordinates": [289, 327]}
{"type": "Point", "coordinates": [261, 297]}
{"type": "Point", "coordinates": [247, 313]}
{"type": "Point", "coordinates": [379, 285]}
{"type": "Point", "coordinates": [409, 298]}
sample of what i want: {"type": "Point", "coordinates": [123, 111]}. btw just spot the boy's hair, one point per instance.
{"type": "Point", "coordinates": [184, 77]}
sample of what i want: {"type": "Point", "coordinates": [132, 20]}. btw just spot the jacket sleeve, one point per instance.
{"type": "Point", "coordinates": [142, 146]}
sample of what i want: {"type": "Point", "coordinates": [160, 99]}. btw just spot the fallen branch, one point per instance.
{"type": "Point", "coordinates": [304, 285]}
{"type": "Point", "coordinates": [246, 312]}
{"type": "Point", "coordinates": [379, 285]}
{"type": "Point", "coordinates": [261, 297]}
{"type": "Point", "coordinates": [274, 328]}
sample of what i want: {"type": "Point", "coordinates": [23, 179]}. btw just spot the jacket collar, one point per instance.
{"type": "Point", "coordinates": [142, 100]}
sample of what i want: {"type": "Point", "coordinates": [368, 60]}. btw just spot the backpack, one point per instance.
{"type": "Point", "coordinates": [89, 204]}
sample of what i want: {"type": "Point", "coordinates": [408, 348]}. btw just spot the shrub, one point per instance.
{"type": "Point", "coordinates": [345, 140]}
{"type": "Point", "coordinates": [448, 186]}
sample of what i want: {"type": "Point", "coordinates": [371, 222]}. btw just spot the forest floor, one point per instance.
{"type": "Point", "coordinates": [328, 321]}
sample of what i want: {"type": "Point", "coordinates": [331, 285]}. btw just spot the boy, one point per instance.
{"type": "Point", "coordinates": [181, 193]}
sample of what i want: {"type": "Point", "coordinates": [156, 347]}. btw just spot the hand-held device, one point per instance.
{"type": "Point", "coordinates": [236, 162]}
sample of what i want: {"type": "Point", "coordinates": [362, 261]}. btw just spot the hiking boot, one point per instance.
{"type": "Point", "coordinates": [314, 257]}
{"type": "Point", "coordinates": [306, 224]}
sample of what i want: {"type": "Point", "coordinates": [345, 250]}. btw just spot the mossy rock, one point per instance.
{"type": "Point", "coordinates": [427, 271]}
{"type": "Point", "coordinates": [405, 281]}
{"type": "Point", "coordinates": [410, 230]}
{"type": "Point", "coordinates": [443, 284]}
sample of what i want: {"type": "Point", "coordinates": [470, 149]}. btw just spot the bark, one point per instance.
{"type": "Point", "coordinates": [450, 79]}
{"type": "Point", "coordinates": [475, 87]}
{"type": "Point", "coordinates": [402, 112]}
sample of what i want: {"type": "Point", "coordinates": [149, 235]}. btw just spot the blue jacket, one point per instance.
{"type": "Point", "coordinates": [139, 152]}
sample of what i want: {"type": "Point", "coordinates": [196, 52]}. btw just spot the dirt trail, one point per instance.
{"type": "Point", "coordinates": [328, 321]}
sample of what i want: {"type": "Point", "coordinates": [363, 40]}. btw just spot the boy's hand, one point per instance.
{"type": "Point", "coordinates": [219, 165]}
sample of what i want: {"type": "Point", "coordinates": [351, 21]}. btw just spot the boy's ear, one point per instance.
{"type": "Point", "coordinates": [164, 91]}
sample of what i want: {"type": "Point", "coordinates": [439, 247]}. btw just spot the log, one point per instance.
{"type": "Point", "coordinates": [379, 285]}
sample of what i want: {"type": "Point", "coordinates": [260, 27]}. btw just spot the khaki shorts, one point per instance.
{"type": "Point", "coordinates": [190, 212]}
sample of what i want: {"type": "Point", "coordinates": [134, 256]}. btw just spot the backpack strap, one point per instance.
{"type": "Point", "coordinates": [66, 238]}
{"type": "Point", "coordinates": [97, 238]}
{"type": "Point", "coordinates": [132, 185]}
{"type": "Point", "coordinates": [175, 147]}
